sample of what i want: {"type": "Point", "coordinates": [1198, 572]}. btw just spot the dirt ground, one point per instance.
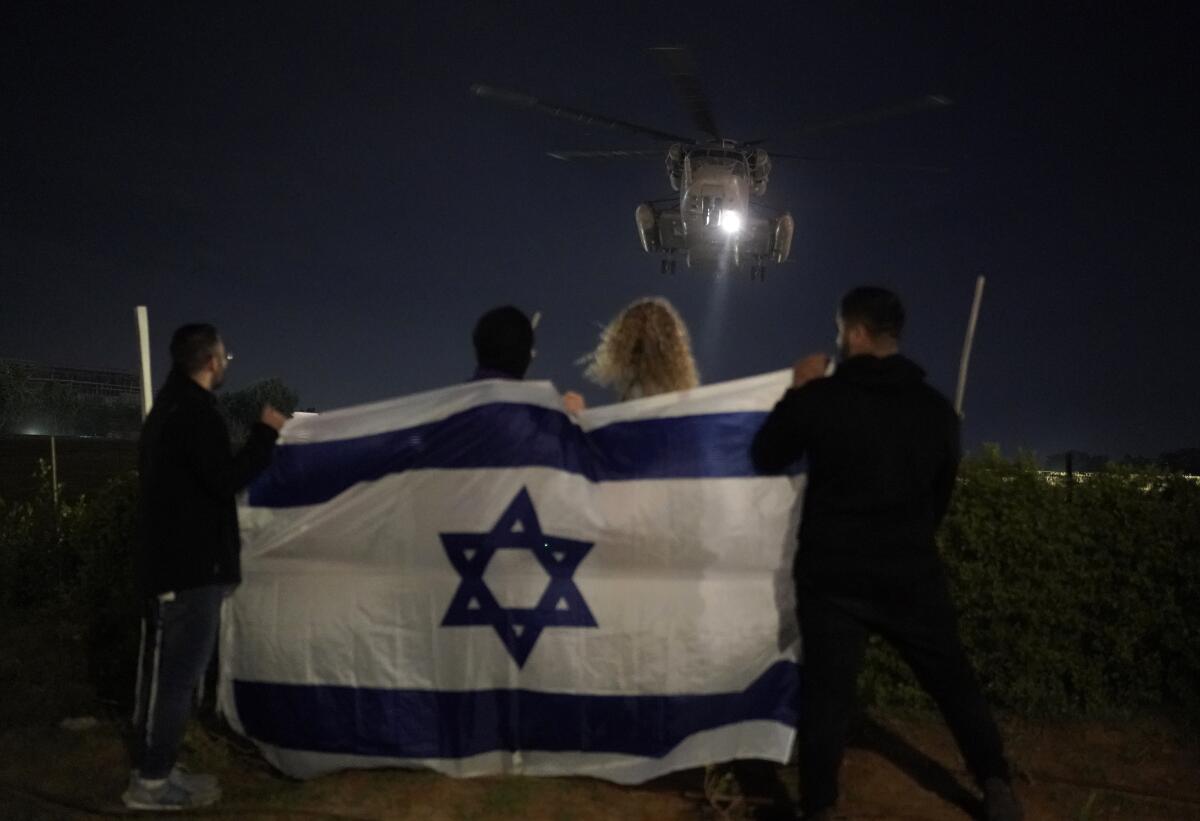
{"type": "Point", "coordinates": [897, 768]}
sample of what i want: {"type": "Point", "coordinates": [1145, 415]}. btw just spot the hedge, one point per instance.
{"type": "Point", "coordinates": [76, 563]}
{"type": "Point", "coordinates": [1076, 600]}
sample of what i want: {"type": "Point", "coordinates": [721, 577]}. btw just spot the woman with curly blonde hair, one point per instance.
{"type": "Point", "coordinates": [645, 350]}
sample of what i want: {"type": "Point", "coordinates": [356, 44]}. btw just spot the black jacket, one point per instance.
{"type": "Point", "coordinates": [189, 476]}
{"type": "Point", "coordinates": [883, 451]}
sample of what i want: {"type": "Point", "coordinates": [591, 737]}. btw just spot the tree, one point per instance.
{"type": "Point", "coordinates": [60, 409]}
{"type": "Point", "coordinates": [31, 404]}
{"type": "Point", "coordinates": [15, 398]}
{"type": "Point", "coordinates": [242, 408]}
{"type": "Point", "coordinates": [1081, 462]}
{"type": "Point", "coordinates": [1184, 460]}
{"type": "Point", "coordinates": [45, 407]}
{"type": "Point", "coordinates": [112, 416]}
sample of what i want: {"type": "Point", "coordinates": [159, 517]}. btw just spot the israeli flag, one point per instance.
{"type": "Point", "coordinates": [471, 580]}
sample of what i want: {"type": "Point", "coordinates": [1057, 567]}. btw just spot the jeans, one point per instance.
{"type": "Point", "coordinates": [179, 632]}
{"type": "Point", "coordinates": [916, 616]}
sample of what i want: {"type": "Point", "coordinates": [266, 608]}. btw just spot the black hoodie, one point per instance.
{"type": "Point", "coordinates": [882, 449]}
{"type": "Point", "coordinates": [189, 475]}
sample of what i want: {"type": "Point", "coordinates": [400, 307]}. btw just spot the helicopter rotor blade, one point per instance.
{"type": "Point", "coordinates": [517, 99]}
{"type": "Point", "coordinates": [868, 117]}
{"type": "Point", "coordinates": [902, 166]}
{"type": "Point", "coordinates": [681, 69]}
{"type": "Point", "coordinates": [604, 153]}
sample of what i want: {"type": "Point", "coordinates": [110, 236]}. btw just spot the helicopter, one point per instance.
{"type": "Point", "coordinates": [714, 222]}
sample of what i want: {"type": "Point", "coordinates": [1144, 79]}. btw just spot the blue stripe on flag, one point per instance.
{"type": "Point", "coordinates": [455, 724]}
{"type": "Point", "coordinates": [502, 434]}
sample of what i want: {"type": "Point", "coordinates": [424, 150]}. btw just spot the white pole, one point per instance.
{"type": "Point", "coordinates": [144, 344]}
{"type": "Point", "coordinates": [54, 471]}
{"type": "Point", "coordinates": [966, 351]}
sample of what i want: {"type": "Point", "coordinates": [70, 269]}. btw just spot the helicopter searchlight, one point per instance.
{"type": "Point", "coordinates": [730, 222]}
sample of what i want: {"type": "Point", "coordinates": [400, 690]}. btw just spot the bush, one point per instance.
{"type": "Point", "coordinates": [242, 408]}
{"type": "Point", "coordinates": [102, 536]}
{"type": "Point", "coordinates": [36, 564]}
{"type": "Point", "coordinates": [1075, 600]}
{"type": "Point", "coordinates": [77, 558]}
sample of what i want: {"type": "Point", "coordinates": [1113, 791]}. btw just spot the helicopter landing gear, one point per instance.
{"type": "Point", "coordinates": [667, 266]}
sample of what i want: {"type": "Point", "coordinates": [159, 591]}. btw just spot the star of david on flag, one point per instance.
{"type": "Point", "coordinates": [474, 605]}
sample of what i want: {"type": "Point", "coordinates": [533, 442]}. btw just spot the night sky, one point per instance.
{"type": "Point", "coordinates": [317, 180]}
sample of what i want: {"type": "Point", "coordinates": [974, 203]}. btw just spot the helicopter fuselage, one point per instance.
{"type": "Point", "coordinates": [714, 193]}
{"type": "Point", "coordinates": [715, 223]}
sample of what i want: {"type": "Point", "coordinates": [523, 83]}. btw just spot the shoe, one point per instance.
{"type": "Point", "coordinates": [178, 791]}
{"type": "Point", "coordinates": [196, 783]}
{"type": "Point", "coordinates": [999, 801]}
{"type": "Point", "coordinates": [199, 784]}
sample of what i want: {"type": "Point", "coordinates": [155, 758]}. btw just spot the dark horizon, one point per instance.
{"type": "Point", "coordinates": [324, 188]}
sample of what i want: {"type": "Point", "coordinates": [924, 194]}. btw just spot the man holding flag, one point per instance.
{"type": "Point", "coordinates": [188, 558]}
{"type": "Point", "coordinates": [883, 450]}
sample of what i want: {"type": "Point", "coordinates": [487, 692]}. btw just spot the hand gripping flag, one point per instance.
{"type": "Point", "coordinates": [471, 580]}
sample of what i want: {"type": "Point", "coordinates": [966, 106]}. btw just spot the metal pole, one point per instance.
{"type": "Point", "coordinates": [143, 323]}
{"type": "Point", "coordinates": [966, 351]}
{"type": "Point", "coordinates": [54, 470]}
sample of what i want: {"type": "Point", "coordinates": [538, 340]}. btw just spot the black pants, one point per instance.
{"type": "Point", "coordinates": [916, 616]}
{"type": "Point", "coordinates": [179, 631]}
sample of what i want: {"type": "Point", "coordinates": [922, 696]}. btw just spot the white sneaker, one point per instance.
{"type": "Point", "coordinates": [181, 775]}
{"type": "Point", "coordinates": [178, 791]}
{"type": "Point", "coordinates": [199, 784]}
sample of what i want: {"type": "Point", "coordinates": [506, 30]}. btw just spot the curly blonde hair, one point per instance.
{"type": "Point", "coordinates": [644, 351]}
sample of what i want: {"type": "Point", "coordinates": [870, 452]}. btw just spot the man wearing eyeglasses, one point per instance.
{"type": "Point", "coordinates": [188, 557]}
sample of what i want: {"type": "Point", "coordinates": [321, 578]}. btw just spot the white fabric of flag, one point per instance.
{"type": "Point", "coordinates": [473, 581]}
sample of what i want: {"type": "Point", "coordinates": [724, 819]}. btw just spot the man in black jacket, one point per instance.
{"type": "Point", "coordinates": [883, 450]}
{"type": "Point", "coordinates": [188, 557]}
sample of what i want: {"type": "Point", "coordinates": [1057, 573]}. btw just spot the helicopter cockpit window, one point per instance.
{"type": "Point", "coordinates": [712, 210]}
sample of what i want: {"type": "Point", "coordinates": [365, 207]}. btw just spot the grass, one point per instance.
{"type": "Point", "coordinates": [1083, 770]}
